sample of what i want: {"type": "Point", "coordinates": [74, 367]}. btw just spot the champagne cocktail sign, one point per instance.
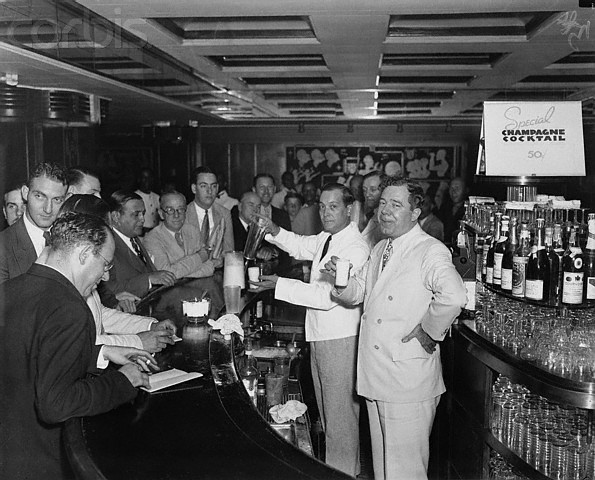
{"type": "Point", "coordinates": [533, 139]}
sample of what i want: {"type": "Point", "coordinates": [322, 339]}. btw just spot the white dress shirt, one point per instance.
{"type": "Point", "coordinates": [200, 213]}
{"type": "Point", "coordinates": [35, 234]}
{"type": "Point", "coordinates": [325, 318]}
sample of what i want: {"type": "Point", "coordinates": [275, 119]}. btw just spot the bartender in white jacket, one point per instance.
{"type": "Point", "coordinates": [332, 329]}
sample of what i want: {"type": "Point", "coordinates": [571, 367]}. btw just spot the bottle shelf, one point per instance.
{"type": "Point", "coordinates": [538, 303]}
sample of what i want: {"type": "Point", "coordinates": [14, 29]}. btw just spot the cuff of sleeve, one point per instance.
{"type": "Point", "coordinates": [102, 363]}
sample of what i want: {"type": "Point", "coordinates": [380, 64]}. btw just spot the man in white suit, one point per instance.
{"type": "Point", "coordinates": [204, 213]}
{"type": "Point", "coordinates": [412, 294]}
{"type": "Point", "coordinates": [175, 246]}
{"type": "Point", "coordinates": [331, 328]}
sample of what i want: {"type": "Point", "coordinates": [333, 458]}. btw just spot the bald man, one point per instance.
{"type": "Point", "coordinates": [241, 216]}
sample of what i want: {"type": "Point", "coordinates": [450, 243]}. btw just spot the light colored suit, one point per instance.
{"type": "Point", "coordinates": [219, 213]}
{"type": "Point", "coordinates": [114, 327]}
{"type": "Point", "coordinates": [419, 285]}
{"type": "Point", "coordinates": [168, 255]}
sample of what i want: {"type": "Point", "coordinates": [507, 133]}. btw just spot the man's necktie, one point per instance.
{"type": "Point", "coordinates": [204, 230]}
{"type": "Point", "coordinates": [46, 236]}
{"type": "Point", "coordinates": [388, 251]}
{"type": "Point", "coordinates": [138, 250]}
{"type": "Point", "coordinates": [326, 245]}
{"type": "Point", "coordinates": [179, 239]}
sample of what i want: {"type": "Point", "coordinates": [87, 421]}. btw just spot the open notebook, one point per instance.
{"type": "Point", "coordinates": [168, 378]}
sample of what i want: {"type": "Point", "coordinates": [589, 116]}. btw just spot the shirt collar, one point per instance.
{"type": "Point", "coordinates": [35, 234]}
{"type": "Point", "coordinates": [125, 239]}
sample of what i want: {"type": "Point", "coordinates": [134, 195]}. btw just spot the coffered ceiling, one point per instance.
{"type": "Point", "coordinates": [286, 61]}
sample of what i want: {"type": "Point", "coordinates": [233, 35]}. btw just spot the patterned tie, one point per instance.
{"type": "Point", "coordinates": [138, 250]}
{"type": "Point", "coordinates": [46, 236]}
{"type": "Point", "coordinates": [204, 230]}
{"type": "Point", "coordinates": [326, 245]}
{"type": "Point", "coordinates": [388, 251]}
{"type": "Point", "coordinates": [179, 239]}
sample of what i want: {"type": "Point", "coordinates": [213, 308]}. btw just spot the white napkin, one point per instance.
{"type": "Point", "coordinates": [228, 324]}
{"type": "Point", "coordinates": [288, 411]}
{"type": "Point", "coordinates": [168, 378]}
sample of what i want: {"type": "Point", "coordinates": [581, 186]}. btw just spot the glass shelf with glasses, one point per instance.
{"type": "Point", "coordinates": [559, 342]}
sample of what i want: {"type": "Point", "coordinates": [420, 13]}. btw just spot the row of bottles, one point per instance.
{"type": "Point", "coordinates": [535, 265]}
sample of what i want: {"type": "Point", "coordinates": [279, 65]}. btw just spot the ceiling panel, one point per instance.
{"type": "Point", "coordinates": [274, 60]}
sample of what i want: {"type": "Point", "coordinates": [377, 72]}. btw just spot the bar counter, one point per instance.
{"type": "Point", "coordinates": [207, 428]}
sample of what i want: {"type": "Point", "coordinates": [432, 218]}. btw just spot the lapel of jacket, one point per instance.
{"type": "Point", "coordinates": [191, 217]}
{"type": "Point", "coordinates": [129, 256]}
{"type": "Point", "coordinates": [24, 251]}
{"type": "Point", "coordinates": [378, 280]}
{"type": "Point", "coordinates": [150, 265]}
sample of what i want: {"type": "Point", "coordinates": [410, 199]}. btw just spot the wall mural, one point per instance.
{"type": "Point", "coordinates": [433, 165]}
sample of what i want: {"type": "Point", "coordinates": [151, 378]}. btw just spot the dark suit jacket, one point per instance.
{"type": "Point", "coordinates": [17, 253]}
{"type": "Point", "coordinates": [240, 234]}
{"type": "Point", "coordinates": [47, 343]}
{"type": "Point", "coordinates": [281, 218]}
{"type": "Point", "coordinates": [129, 274]}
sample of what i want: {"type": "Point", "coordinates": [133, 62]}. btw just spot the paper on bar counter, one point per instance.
{"type": "Point", "coordinates": [168, 378]}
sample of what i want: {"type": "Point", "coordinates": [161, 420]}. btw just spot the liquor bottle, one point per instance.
{"type": "Point", "coordinates": [491, 251]}
{"type": "Point", "coordinates": [572, 272]}
{"type": "Point", "coordinates": [520, 261]}
{"type": "Point", "coordinates": [487, 243]}
{"type": "Point", "coordinates": [499, 253]}
{"type": "Point", "coordinates": [249, 372]}
{"type": "Point", "coordinates": [589, 259]}
{"type": "Point", "coordinates": [553, 289]}
{"type": "Point", "coordinates": [537, 268]}
{"type": "Point", "coordinates": [510, 248]}
{"type": "Point", "coordinates": [557, 243]}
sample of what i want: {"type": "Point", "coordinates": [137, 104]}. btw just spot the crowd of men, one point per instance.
{"type": "Point", "coordinates": [73, 268]}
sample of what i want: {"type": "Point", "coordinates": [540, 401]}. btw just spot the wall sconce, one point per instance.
{"type": "Point", "coordinates": [399, 127]}
{"type": "Point", "coordinates": [350, 128]}
{"type": "Point", "coordinates": [301, 127]}
{"type": "Point", "coordinates": [448, 127]}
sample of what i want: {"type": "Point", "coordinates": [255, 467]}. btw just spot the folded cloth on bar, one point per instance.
{"type": "Point", "coordinates": [519, 205]}
{"type": "Point", "coordinates": [288, 411]}
{"type": "Point", "coordinates": [476, 199]}
{"type": "Point", "coordinates": [228, 324]}
{"type": "Point", "coordinates": [168, 378]}
{"type": "Point", "coordinates": [566, 203]}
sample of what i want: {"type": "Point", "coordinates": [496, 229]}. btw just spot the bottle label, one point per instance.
{"type": "Point", "coordinates": [507, 279]}
{"type": "Point", "coordinates": [534, 289]}
{"type": "Point", "coordinates": [572, 288]}
{"type": "Point", "coordinates": [490, 275]}
{"type": "Point", "coordinates": [484, 258]}
{"type": "Point", "coordinates": [519, 269]}
{"type": "Point", "coordinates": [590, 288]}
{"type": "Point", "coordinates": [498, 268]}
